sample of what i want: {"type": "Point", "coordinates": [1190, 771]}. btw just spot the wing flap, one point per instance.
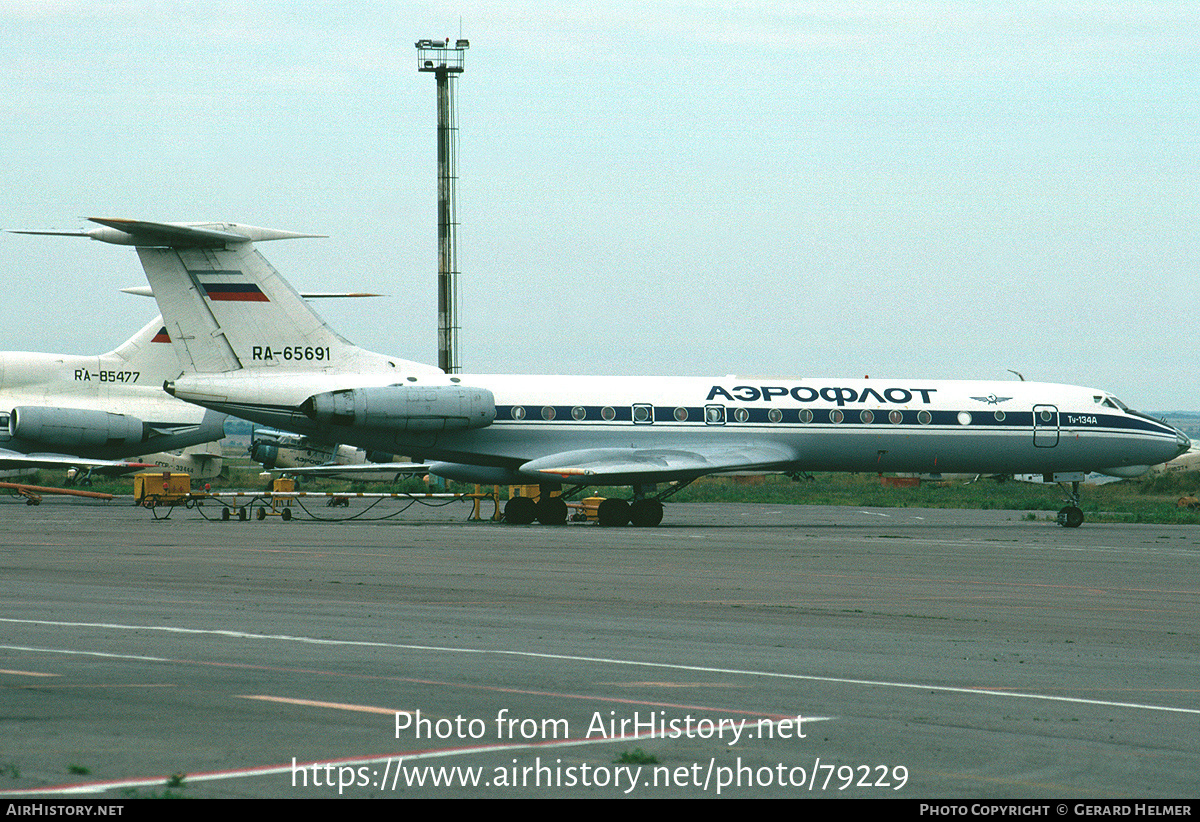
{"type": "Point", "coordinates": [621, 466]}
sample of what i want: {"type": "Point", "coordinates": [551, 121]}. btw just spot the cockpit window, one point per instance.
{"type": "Point", "coordinates": [1113, 402]}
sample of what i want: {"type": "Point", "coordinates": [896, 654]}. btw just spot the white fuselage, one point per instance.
{"type": "Point", "coordinates": [100, 383]}
{"type": "Point", "coordinates": [813, 424]}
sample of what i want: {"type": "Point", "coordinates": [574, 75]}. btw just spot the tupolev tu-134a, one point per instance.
{"type": "Point", "coordinates": [251, 347]}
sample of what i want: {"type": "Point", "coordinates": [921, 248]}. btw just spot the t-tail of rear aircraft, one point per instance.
{"type": "Point", "coordinates": [148, 354]}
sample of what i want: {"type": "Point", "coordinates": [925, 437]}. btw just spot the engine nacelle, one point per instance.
{"type": "Point", "coordinates": [267, 454]}
{"type": "Point", "coordinates": [404, 407]}
{"type": "Point", "coordinates": [74, 428]}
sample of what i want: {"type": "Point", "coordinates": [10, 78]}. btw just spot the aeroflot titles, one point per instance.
{"type": "Point", "coordinates": [804, 393]}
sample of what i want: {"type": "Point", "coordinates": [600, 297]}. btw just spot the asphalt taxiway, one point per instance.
{"type": "Point", "coordinates": [736, 650]}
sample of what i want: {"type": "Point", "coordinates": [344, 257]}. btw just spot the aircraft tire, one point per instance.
{"type": "Point", "coordinates": [552, 511]}
{"type": "Point", "coordinates": [1070, 517]}
{"type": "Point", "coordinates": [645, 513]}
{"type": "Point", "coordinates": [613, 513]}
{"type": "Point", "coordinates": [520, 511]}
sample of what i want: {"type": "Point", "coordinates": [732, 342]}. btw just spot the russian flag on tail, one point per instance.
{"type": "Point", "coordinates": [225, 291]}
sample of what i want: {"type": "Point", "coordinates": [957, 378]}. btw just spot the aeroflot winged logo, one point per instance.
{"type": "Point", "coordinates": [804, 393]}
{"type": "Point", "coordinates": [220, 289]}
{"type": "Point", "coordinates": [992, 399]}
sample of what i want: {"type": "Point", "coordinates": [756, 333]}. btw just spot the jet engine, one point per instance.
{"type": "Point", "coordinates": [75, 428]}
{"type": "Point", "coordinates": [404, 407]}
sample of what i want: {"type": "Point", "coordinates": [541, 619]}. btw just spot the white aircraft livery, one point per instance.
{"type": "Point", "coordinates": [251, 347]}
{"type": "Point", "coordinates": [63, 410]}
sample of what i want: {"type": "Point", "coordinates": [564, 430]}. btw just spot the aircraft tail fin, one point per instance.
{"type": "Point", "coordinates": [226, 308]}
{"type": "Point", "coordinates": [148, 354]}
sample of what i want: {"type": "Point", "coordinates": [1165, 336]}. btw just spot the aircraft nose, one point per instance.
{"type": "Point", "coordinates": [1182, 442]}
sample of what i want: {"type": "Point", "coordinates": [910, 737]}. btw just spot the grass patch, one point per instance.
{"type": "Point", "coordinates": [636, 757]}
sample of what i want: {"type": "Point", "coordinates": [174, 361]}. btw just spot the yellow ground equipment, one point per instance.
{"type": "Point", "coordinates": [155, 489]}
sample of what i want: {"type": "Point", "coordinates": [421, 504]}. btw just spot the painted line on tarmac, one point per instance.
{"type": "Point", "coordinates": [916, 686]}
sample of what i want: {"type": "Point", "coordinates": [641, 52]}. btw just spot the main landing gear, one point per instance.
{"type": "Point", "coordinates": [643, 511]}
{"type": "Point", "coordinates": [1072, 515]}
{"type": "Point", "coordinates": [547, 510]}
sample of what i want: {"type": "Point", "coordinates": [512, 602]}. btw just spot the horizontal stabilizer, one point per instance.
{"type": "Point", "coordinates": [174, 235]}
{"type": "Point", "coordinates": [146, 291]}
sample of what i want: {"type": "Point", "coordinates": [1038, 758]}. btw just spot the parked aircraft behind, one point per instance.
{"type": "Point", "coordinates": [299, 455]}
{"type": "Point", "coordinates": [97, 412]}
{"type": "Point", "coordinates": [250, 346]}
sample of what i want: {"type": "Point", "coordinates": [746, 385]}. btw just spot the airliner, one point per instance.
{"type": "Point", "coordinates": [298, 455]}
{"type": "Point", "coordinates": [103, 412]}
{"type": "Point", "coordinates": [251, 347]}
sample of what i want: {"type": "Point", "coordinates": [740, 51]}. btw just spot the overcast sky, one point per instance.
{"type": "Point", "coordinates": [926, 189]}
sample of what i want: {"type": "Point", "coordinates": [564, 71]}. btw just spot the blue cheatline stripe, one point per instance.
{"type": "Point", "coordinates": [1012, 420]}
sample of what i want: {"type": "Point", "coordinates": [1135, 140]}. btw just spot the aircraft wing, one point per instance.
{"type": "Point", "coordinates": [648, 465]}
{"type": "Point", "coordinates": [15, 459]}
{"type": "Point", "coordinates": [366, 472]}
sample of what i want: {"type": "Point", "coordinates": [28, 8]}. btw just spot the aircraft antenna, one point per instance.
{"type": "Point", "coordinates": [446, 63]}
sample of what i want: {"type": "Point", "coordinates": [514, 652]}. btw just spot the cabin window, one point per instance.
{"type": "Point", "coordinates": [643, 414]}
{"type": "Point", "coordinates": [775, 415]}
{"type": "Point", "coordinates": [999, 415]}
{"type": "Point", "coordinates": [867, 417]}
{"type": "Point", "coordinates": [518, 413]}
{"type": "Point", "coordinates": [547, 412]}
{"type": "Point", "coordinates": [964, 417]}
{"type": "Point", "coordinates": [681, 415]}
{"type": "Point", "coordinates": [578, 413]}
{"type": "Point", "coordinates": [714, 414]}
{"type": "Point", "coordinates": [836, 416]}
{"type": "Point", "coordinates": [608, 412]}
{"type": "Point", "coordinates": [740, 414]}
{"type": "Point", "coordinates": [924, 417]}
{"type": "Point", "coordinates": [806, 416]}
{"type": "Point", "coordinates": [895, 417]}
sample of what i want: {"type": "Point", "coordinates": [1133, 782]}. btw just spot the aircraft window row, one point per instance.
{"type": "Point", "coordinates": [717, 414]}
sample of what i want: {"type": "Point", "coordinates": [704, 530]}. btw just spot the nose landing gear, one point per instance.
{"type": "Point", "coordinates": [1072, 515]}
